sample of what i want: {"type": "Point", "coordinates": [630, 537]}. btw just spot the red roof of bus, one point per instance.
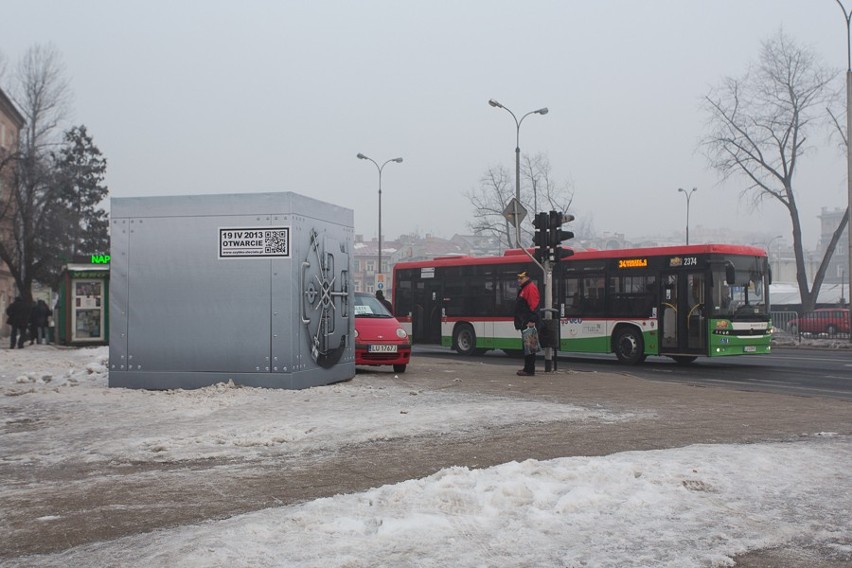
{"type": "Point", "coordinates": [516, 255]}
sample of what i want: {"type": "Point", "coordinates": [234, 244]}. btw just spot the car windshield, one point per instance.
{"type": "Point", "coordinates": [369, 307]}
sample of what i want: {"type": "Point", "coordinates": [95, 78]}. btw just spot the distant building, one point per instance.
{"type": "Point", "coordinates": [838, 266]}
{"type": "Point", "coordinates": [478, 245]}
{"type": "Point", "coordinates": [365, 259]}
{"type": "Point", "coordinates": [781, 258]}
{"type": "Point", "coordinates": [11, 123]}
{"type": "Point", "coordinates": [605, 241]}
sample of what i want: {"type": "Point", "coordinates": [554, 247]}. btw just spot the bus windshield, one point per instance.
{"type": "Point", "coordinates": [739, 293]}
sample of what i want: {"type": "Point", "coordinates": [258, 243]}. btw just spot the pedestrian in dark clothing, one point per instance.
{"type": "Point", "coordinates": [39, 317]}
{"type": "Point", "coordinates": [380, 296]}
{"type": "Point", "coordinates": [31, 329]}
{"type": "Point", "coordinates": [18, 314]}
{"type": "Point", "coordinates": [526, 315]}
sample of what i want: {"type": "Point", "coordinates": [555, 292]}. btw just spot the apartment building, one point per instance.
{"type": "Point", "coordinates": [11, 123]}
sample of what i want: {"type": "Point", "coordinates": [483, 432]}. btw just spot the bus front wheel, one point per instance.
{"type": "Point", "coordinates": [464, 339]}
{"type": "Point", "coordinates": [628, 346]}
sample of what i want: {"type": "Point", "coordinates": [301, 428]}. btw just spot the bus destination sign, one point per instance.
{"type": "Point", "coordinates": [633, 263]}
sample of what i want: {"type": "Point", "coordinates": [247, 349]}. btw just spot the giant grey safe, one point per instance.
{"type": "Point", "coordinates": [254, 288]}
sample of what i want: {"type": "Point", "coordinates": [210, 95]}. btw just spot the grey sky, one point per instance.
{"type": "Point", "coordinates": [187, 97]}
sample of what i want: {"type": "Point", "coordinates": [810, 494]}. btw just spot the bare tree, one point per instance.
{"type": "Point", "coordinates": [489, 200]}
{"type": "Point", "coordinates": [42, 93]}
{"type": "Point", "coordinates": [540, 190]}
{"type": "Point", "coordinates": [496, 189]}
{"type": "Point", "coordinates": [758, 131]}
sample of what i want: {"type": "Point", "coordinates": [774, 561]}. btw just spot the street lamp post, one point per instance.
{"type": "Point", "coordinates": [778, 253]}
{"type": "Point", "coordinates": [847, 15]}
{"type": "Point", "coordinates": [688, 195]}
{"type": "Point", "coordinates": [380, 168]}
{"type": "Point", "coordinates": [541, 111]}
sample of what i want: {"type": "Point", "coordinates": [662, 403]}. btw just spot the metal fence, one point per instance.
{"type": "Point", "coordinates": [823, 323]}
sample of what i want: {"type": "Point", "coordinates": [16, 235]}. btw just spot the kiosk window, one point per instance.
{"type": "Point", "coordinates": [87, 310]}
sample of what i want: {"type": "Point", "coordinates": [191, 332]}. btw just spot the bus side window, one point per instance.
{"type": "Point", "coordinates": [593, 296]}
{"type": "Point", "coordinates": [631, 295]}
{"type": "Point", "coordinates": [572, 296]}
{"type": "Point", "coordinates": [487, 299]}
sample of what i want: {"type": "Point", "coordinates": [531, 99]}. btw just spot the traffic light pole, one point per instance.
{"type": "Point", "coordinates": [549, 359]}
{"type": "Point", "coordinates": [548, 236]}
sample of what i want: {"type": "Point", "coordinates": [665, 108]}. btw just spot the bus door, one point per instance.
{"type": "Point", "coordinates": [426, 316]}
{"type": "Point", "coordinates": [682, 313]}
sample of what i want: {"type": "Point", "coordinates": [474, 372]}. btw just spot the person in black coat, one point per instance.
{"type": "Point", "coordinates": [18, 314]}
{"type": "Point", "coordinates": [39, 317]}
{"type": "Point", "coordinates": [380, 296]}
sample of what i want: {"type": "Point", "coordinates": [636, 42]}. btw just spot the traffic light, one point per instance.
{"type": "Point", "coordinates": [556, 235]}
{"type": "Point", "coordinates": [542, 234]}
{"type": "Point", "coordinates": [561, 252]}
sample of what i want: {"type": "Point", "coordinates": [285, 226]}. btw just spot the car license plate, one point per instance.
{"type": "Point", "coordinates": [382, 349]}
{"type": "Point", "coordinates": [750, 349]}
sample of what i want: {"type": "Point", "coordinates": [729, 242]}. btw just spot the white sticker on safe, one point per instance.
{"type": "Point", "coordinates": [254, 242]}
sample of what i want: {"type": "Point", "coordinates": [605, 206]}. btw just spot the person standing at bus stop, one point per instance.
{"type": "Point", "coordinates": [526, 315]}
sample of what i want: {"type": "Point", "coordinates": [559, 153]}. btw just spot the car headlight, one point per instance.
{"type": "Point", "coordinates": [356, 334]}
{"type": "Point", "coordinates": [401, 333]}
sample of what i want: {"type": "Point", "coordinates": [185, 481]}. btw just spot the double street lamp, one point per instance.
{"type": "Point", "coordinates": [688, 197]}
{"type": "Point", "coordinates": [380, 168]}
{"type": "Point", "coordinates": [542, 111]}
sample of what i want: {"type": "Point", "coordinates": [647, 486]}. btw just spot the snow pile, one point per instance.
{"type": "Point", "coordinates": [691, 507]}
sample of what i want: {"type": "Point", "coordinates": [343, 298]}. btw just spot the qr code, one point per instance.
{"type": "Point", "coordinates": [277, 242]}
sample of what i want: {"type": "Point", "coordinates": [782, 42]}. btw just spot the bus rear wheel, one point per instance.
{"type": "Point", "coordinates": [464, 339]}
{"type": "Point", "coordinates": [629, 346]}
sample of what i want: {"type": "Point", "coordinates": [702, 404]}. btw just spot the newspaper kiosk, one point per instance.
{"type": "Point", "coordinates": [81, 314]}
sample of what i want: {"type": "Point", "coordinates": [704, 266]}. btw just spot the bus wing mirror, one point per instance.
{"type": "Point", "coordinates": [730, 274]}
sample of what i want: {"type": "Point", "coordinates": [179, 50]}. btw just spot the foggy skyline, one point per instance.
{"type": "Point", "coordinates": [217, 97]}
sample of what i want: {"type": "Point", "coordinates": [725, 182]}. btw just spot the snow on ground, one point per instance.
{"type": "Point", "coordinates": [90, 422]}
{"type": "Point", "coordinates": [695, 506]}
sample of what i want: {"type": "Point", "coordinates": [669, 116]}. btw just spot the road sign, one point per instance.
{"type": "Point", "coordinates": [515, 212]}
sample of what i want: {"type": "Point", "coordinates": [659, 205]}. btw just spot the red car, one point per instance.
{"type": "Point", "coordinates": [379, 339]}
{"type": "Point", "coordinates": [823, 320]}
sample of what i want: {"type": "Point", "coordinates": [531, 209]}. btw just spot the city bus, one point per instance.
{"type": "Point", "coordinates": [709, 300]}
